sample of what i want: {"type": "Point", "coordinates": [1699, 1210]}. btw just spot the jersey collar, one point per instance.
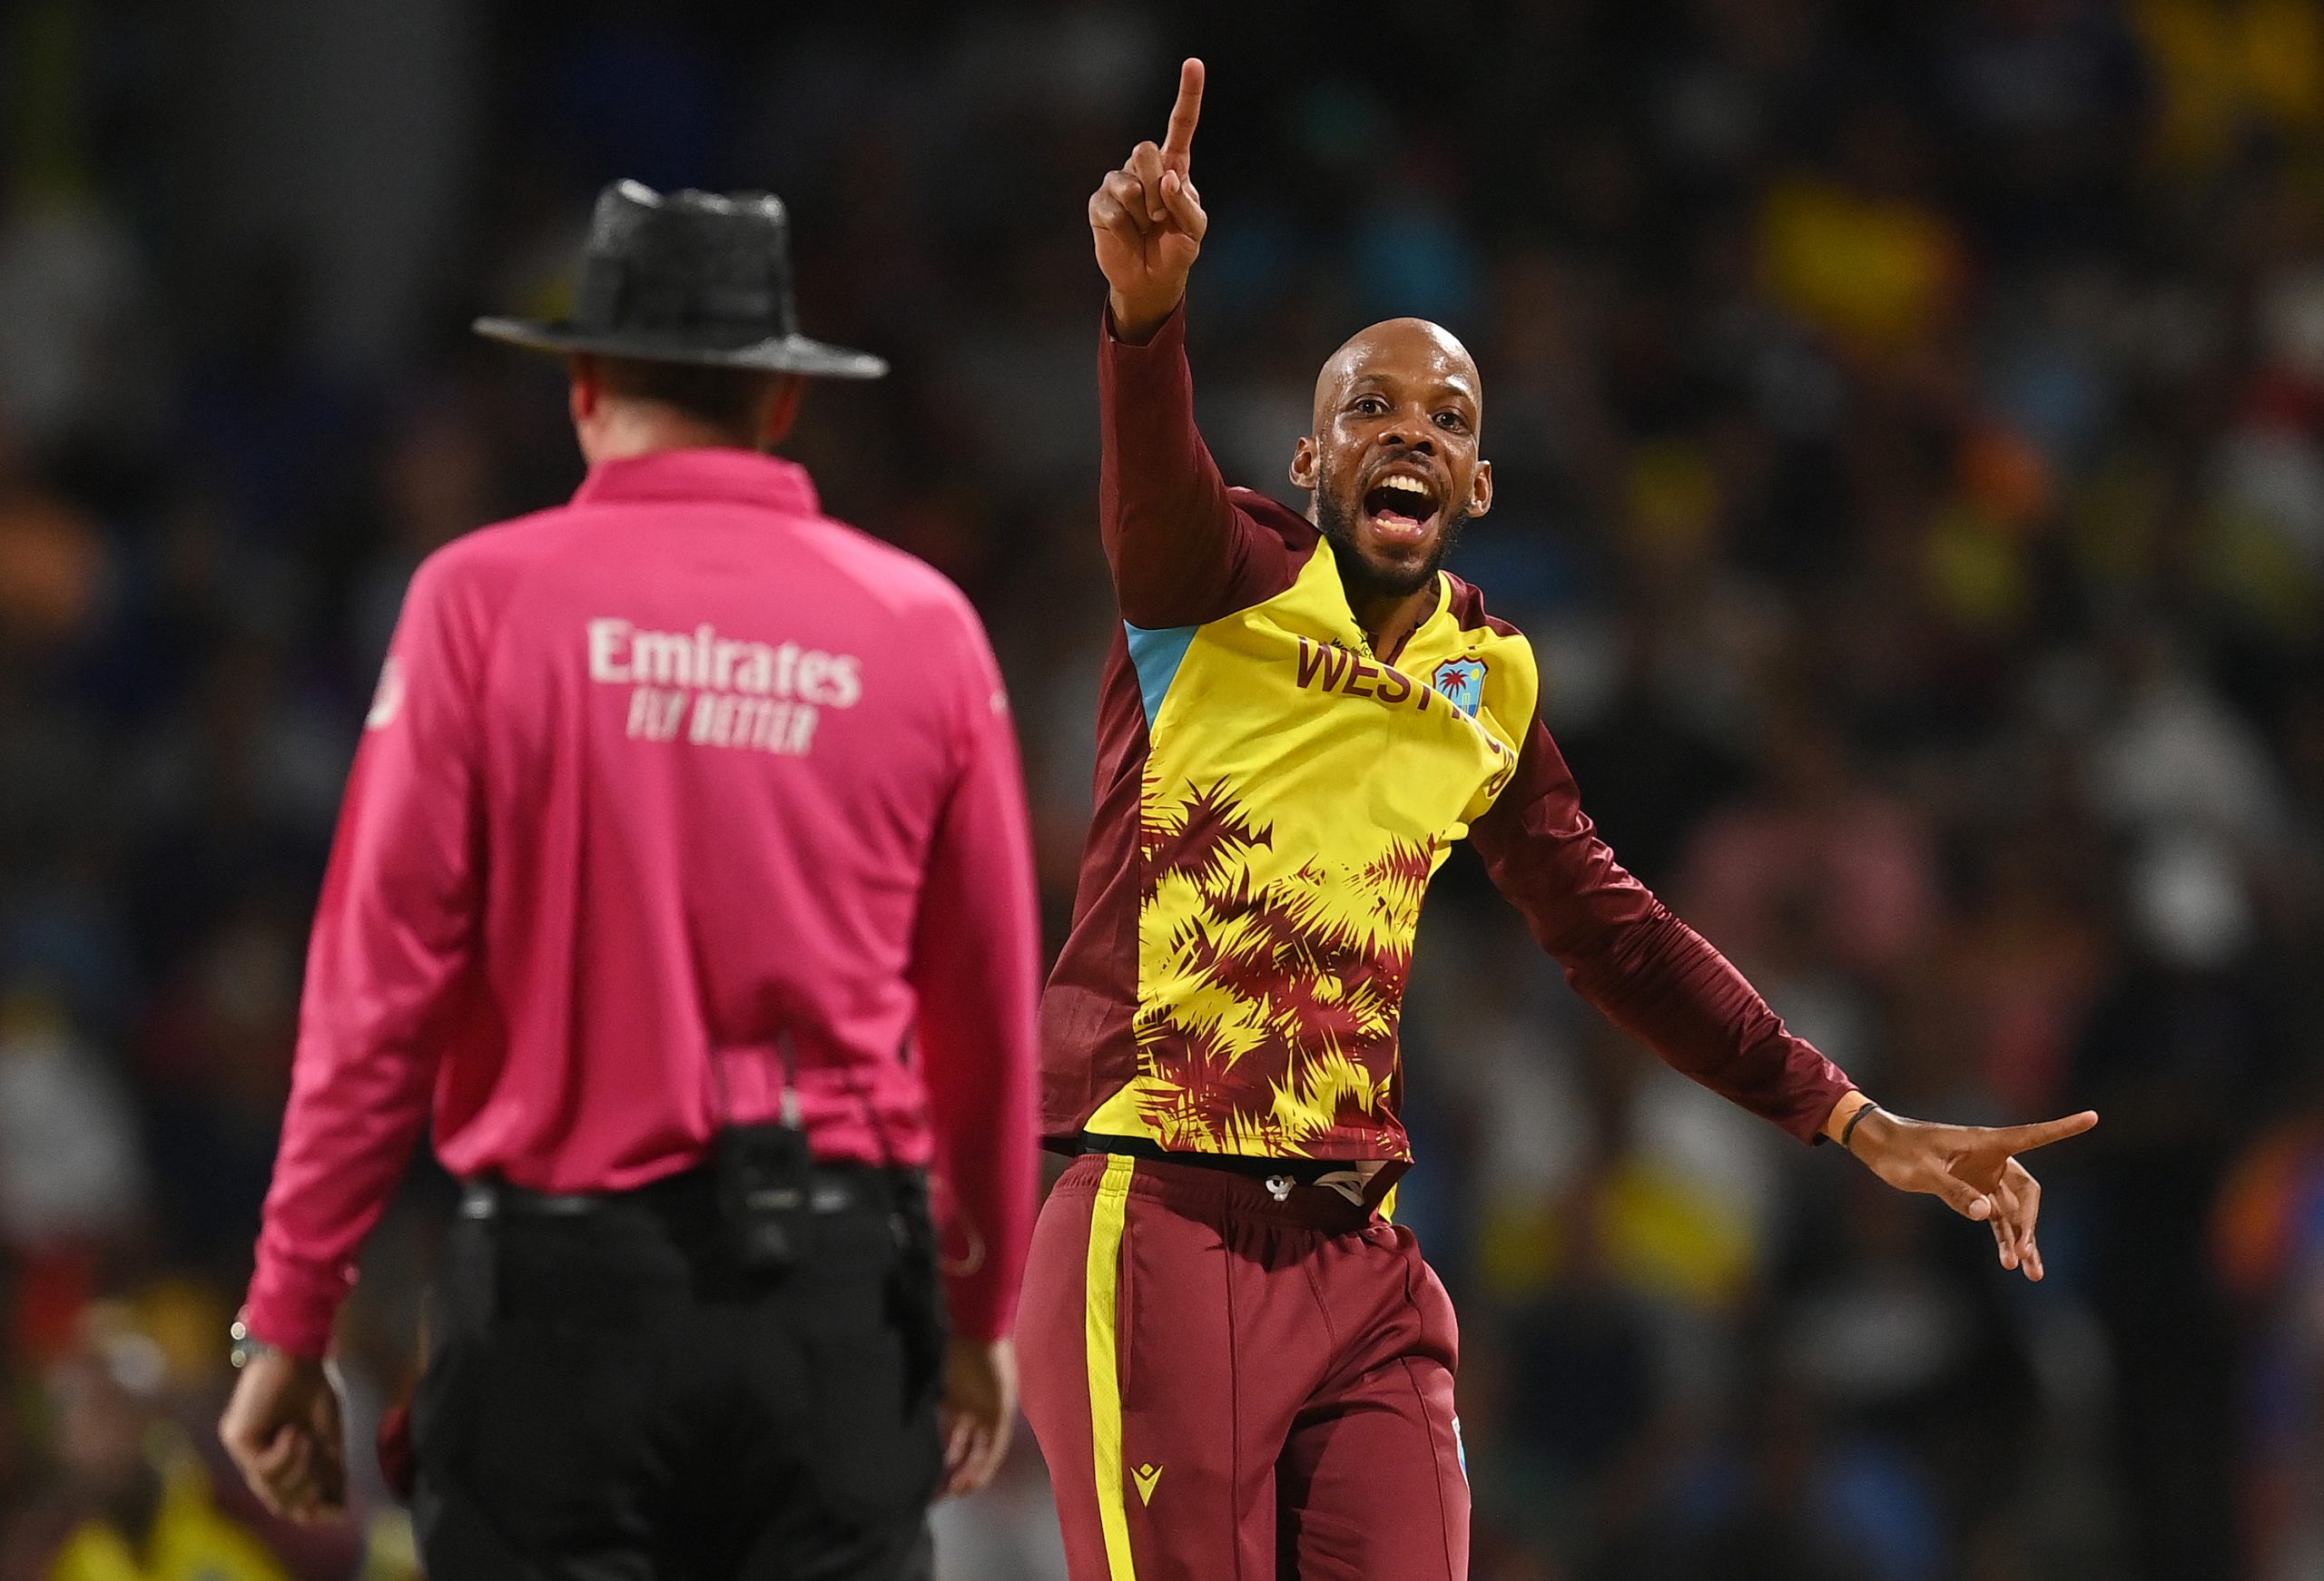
{"type": "Point", "coordinates": [1418, 640]}
{"type": "Point", "coordinates": [723, 473]}
{"type": "Point", "coordinates": [1422, 637]}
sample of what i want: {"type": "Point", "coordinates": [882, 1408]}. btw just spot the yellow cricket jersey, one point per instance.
{"type": "Point", "coordinates": [1296, 796]}
{"type": "Point", "coordinates": [1272, 799]}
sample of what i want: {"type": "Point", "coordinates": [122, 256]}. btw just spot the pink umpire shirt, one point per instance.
{"type": "Point", "coordinates": [649, 780]}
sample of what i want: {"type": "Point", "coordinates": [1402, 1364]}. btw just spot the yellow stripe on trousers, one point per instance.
{"type": "Point", "coordinates": [1101, 1340]}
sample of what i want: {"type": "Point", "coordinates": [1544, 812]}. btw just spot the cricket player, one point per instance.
{"type": "Point", "coordinates": [1237, 1364]}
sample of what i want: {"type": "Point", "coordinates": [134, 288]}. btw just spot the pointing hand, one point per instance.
{"type": "Point", "coordinates": [1148, 220]}
{"type": "Point", "coordinates": [1974, 1168]}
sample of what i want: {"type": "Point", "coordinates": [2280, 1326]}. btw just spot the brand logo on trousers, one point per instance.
{"type": "Point", "coordinates": [1146, 1477]}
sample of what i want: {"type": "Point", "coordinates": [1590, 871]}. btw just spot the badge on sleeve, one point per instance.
{"type": "Point", "coordinates": [387, 701]}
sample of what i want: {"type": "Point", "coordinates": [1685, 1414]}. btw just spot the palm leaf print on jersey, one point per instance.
{"type": "Point", "coordinates": [1275, 1016]}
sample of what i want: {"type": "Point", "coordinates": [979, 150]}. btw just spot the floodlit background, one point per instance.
{"type": "Point", "coordinates": [1909, 423]}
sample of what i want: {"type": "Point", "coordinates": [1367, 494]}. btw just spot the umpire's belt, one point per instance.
{"type": "Point", "coordinates": [832, 1188]}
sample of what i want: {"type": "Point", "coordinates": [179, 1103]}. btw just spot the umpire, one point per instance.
{"type": "Point", "coordinates": [683, 880]}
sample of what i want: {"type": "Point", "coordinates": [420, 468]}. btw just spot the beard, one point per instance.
{"type": "Point", "coordinates": [1363, 577]}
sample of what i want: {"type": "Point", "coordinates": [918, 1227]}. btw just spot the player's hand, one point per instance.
{"type": "Point", "coordinates": [1148, 220]}
{"type": "Point", "coordinates": [979, 1412]}
{"type": "Point", "coordinates": [283, 1429]}
{"type": "Point", "coordinates": [1974, 1168]}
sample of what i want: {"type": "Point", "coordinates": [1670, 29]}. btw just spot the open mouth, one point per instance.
{"type": "Point", "coordinates": [1401, 507]}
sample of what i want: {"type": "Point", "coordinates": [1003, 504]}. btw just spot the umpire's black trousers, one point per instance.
{"type": "Point", "coordinates": [610, 1397]}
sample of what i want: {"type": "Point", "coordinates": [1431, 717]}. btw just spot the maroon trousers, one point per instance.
{"type": "Point", "coordinates": [1228, 1388]}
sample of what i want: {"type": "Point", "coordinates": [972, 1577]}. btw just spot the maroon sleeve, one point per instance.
{"type": "Point", "coordinates": [394, 930]}
{"type": "Point", "coordinates": [1651, 975]}
{"type": "Point", "coordinates": [976, 965]}
{"type": "Point", "coordinates": [1182, 550]}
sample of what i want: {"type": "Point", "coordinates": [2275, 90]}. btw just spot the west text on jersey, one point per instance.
{"type": "Point", "coordinates": [1336, 669]}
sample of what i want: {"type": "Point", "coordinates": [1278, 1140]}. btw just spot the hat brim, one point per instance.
{"type": "Point", "coordinates": [779, 354]}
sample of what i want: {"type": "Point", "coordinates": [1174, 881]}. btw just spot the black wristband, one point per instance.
{"type": "Point", "coordinates": [1855, 1120]}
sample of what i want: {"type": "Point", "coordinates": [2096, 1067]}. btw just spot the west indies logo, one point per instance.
{"type": "Point", "coordinates": [1462, 683]}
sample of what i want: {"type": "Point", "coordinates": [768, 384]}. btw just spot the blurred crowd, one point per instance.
{"type": "Point", "coordinates": [1909, 429]}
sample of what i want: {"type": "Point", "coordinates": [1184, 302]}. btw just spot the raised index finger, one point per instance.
{"type": "Point", "coordinates": [1180, 139]}
{"type": "Point", "coordinates": [2025, 1138]}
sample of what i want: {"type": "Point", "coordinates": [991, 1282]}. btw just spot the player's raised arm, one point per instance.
{"type": "Point", "coordinates": [1148, 220]}
{"type": "Point", "coordinates": [1182, 551]}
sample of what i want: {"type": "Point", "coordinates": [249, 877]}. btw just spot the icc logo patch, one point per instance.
{"type": "Point", "coordinates": [1462, 683]}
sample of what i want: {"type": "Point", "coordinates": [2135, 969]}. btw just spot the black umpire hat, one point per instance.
{"type": "Point", "coordinates": [701, 278]}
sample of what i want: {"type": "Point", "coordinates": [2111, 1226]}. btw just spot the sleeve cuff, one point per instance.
{"type": "Point", "coordinates": [292, 1311]}
{"type": "Point", "coordinates": [979, 1314]}
{"type": "Point", "coordinates": [1809, 1127]}
{"type": "Point", "coordinates": [1169, 336]}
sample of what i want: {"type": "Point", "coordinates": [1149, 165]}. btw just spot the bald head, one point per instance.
{"type": "Point", "coordinates": [1392, 459]}
{"type": "Point", "coordinates": [1411, 347]}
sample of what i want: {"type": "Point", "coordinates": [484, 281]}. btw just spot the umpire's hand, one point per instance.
{"type": "Point", "coordinates": [979, 1412]}
{"type": "Point", "coordinates": [283, 1426]}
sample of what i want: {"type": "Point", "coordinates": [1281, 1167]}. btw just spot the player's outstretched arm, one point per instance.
{"type": "Point", "coordinates": [1148, 221]}
{"type": "Point", "coordinates": [1664, 984]}
{"type": "Point", "coordinates": [1974, 1168]}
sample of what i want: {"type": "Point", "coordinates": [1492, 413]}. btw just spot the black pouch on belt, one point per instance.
{"type": "Point", "coordinates": [915, 1294]}
{"type": "Point", "coordinates": [765, 1176]}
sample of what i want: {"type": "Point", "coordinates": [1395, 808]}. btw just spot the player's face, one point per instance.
{"type": "Point", "coordinates": [1393, 460]}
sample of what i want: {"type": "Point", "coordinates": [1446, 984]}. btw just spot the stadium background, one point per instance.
{"type": "Point", "coordinates": [1910, 432]}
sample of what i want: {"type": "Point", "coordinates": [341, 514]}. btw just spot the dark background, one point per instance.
{"type": "Point", "coordinates": [1909, 425]}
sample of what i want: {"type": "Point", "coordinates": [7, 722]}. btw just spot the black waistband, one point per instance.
{"type": "Point", "coordinates": [834, 1188]}
{"type": "Point", "coordinates": [1306, 1170]}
